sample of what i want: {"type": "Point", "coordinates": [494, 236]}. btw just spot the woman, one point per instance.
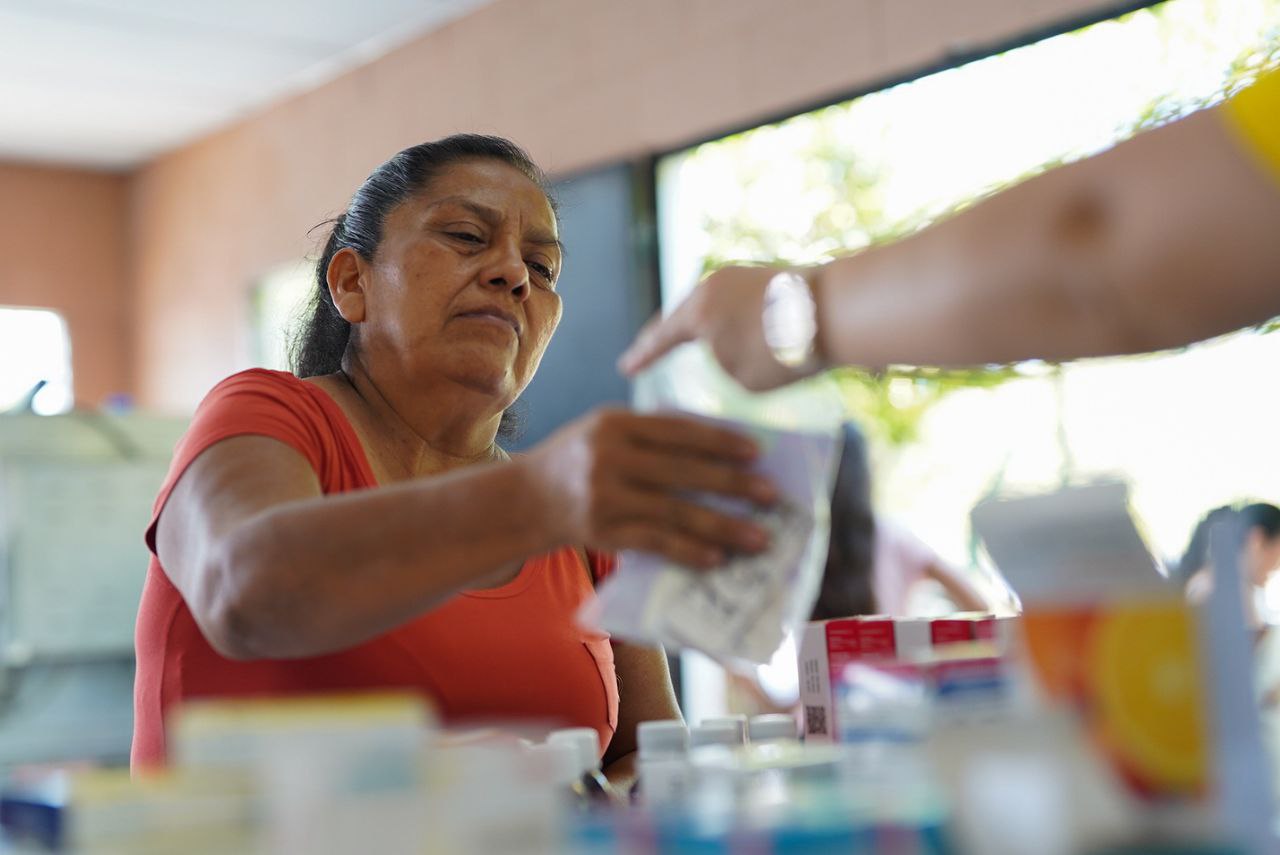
{"type": "Point", "coordinates": [357, 526]}
{"type": "Point", "coordinates": [1166, 239]}
{"type": "Point", "coordinates": [873, 564]}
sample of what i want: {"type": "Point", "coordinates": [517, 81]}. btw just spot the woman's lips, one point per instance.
{"type": "Point", "coordinates": [496, 317]}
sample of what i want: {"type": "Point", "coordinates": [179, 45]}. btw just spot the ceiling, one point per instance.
{"type": "Point", "coordinates": [110, 84]}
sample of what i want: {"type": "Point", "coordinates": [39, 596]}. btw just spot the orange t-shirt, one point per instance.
{"type": "Point", "coordinates": [509, 652]}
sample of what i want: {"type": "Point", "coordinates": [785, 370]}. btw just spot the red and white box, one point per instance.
{"type": "Point", "coordinates": [828, 647]}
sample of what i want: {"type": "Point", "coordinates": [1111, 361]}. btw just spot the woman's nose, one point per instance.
{"type": "Point", "coordinates": [507, 270]}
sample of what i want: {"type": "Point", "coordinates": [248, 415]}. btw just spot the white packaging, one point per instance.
{"type": "Point", "coordinates": [336, 775]}
{"type": "Point", "coordinates": [665, 776]}
{"type": "Point", "coordinates": [828, 647]}
{"type": "Point", "coordinates": [743, 610]}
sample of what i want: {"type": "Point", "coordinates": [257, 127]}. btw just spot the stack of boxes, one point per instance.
{"type": "Point", "coordinates": [903, 645]}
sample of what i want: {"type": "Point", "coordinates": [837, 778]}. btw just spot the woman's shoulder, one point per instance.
{"type": "Point", "coordinates": [265, 402]}
{"type": "Point", "coordinates": [257, 392]}
{"type": "Point", "coordinates": [265, 380]}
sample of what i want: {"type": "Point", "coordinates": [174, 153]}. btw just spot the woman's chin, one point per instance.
{"type": "Point", "coordinates": [497, 384]}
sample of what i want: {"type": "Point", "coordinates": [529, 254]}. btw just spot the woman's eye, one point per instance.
{"type": "Point", "coordinates": [542, 270]}
{"type": "Point", "coordinates": [466, 237]}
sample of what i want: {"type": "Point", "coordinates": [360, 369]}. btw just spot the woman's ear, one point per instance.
{"type": "Point", "coordinates": [346, 284]}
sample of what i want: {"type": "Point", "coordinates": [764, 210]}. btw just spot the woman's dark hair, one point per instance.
{"type": "Point", "coordinates": [847, 580]}
{"type": "Point", "coordinates": [321, 337]}
{"type": "Point", "coordinates": [1238, 521]}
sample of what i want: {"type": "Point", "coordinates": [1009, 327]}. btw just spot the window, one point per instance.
{"type": "Point", "coordinates": [1189, 429]}
{"type": "Point", "coordinates": [277, 304]}
{"type": "Point", "coordinates": [35, 349]}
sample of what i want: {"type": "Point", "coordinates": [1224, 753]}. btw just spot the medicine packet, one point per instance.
{"type": "Point", "coordinates": [744, 609]}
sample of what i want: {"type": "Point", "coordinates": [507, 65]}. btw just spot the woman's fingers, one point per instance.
{"type": "Point", "coordinates": [670, 543]}
{"type": "Point", "coordinates": [687, 436]}
{"type": "Point", "coordinates": [709, 526]}
{"type": "Point", "coordinates": [658, 471]}
{"type": "Point", "coordinates": [628, 481]}
{"type": "Point", "coordinates": [656, 521]}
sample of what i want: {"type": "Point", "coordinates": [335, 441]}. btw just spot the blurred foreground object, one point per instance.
{"type": "Point", "coordinates": [1159, 689]}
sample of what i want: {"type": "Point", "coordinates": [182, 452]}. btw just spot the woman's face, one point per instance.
{"type": "Point", "coordinates": [462, 286]}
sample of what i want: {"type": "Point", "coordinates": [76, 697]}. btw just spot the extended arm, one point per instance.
{"type": "Point", "coordinates": [1166, 239]}
{"type": "Point", "coordinates": [271, 568]}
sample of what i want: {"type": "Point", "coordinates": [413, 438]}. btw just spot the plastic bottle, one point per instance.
{"type": "Point", "coordinates": [739, 722]}
{"type": "Point", "coordinates": [712, 732]}
{"type": "Point", "coordinates": [561, 765]}
{"type": "Point", "coordinates": [664, 773]}
{"type": "Point", "coordinates": [585, 742]}
{"type": "Point", "coordinates": [774, 727]}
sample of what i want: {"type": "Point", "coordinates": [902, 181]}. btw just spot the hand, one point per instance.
{"type": "Point", "coordinates": [725, 310]}
{"type": "Point", "coordinates": [621, 480]}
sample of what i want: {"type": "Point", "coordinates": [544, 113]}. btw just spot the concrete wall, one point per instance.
{"type": "Point", "coordinates": [64, 246]}
{"type": "Point", "coordinates": [581, 83]}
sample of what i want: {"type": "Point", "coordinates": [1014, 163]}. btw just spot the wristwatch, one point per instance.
{"type": "Point", "coordinates": [790, 318]}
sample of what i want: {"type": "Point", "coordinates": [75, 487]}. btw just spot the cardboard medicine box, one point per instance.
{"type": "Point", "coordinates": [828, 647]}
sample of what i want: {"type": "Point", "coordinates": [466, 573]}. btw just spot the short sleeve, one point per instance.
{"type": "Point", "coordinates": [602, 565]}
{"type": "Point", "coordinates": [1254, 114]}
{"type": "Point", "coordinates": [258, 402]}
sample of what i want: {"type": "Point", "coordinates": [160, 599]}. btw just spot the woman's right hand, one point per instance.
{"type": "Point", "coordinates": [615, 479]}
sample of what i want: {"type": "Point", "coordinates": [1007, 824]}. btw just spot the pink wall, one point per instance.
{"type": "Point", "coordinates": [578, 82]}
{"type": "Point", "coordinates": [63, 241]}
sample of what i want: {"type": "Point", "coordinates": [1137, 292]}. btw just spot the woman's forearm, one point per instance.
{"type": "Point", "coordinates": [290, 588]}
{"type": "Point", "coordinates": [622, 773]}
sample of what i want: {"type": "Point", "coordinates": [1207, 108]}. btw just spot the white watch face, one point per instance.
{"type": "Point", "coordinates": [790, 319]}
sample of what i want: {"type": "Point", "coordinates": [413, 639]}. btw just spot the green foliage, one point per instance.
{"type": "Point", "coordinates": [891, 405]}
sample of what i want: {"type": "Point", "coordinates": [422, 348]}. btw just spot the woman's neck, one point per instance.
{"type": "Point", "coordinates": [417, 435]}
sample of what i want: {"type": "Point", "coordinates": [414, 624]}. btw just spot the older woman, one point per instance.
{"type": "Point", "coordinates": [357, 525]}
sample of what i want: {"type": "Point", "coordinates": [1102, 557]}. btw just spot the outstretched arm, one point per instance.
{"type": "Point", "coordinates": [1166, 239]}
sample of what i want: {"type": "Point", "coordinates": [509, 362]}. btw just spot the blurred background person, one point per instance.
{"type": "Point", "coordinates": [874, 564]}
{"type": "Point", "coordinates": [1257, 528]}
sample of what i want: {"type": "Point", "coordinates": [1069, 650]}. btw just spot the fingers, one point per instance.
{"type": "Point", "coordinates": [633, 481]}
{"type": "Point", "coordinates": [657, 337]}
{"type": "Point", "coordinates": [684, 435]}
{"type": "Point", "coordinates": [713, 528]}
{"type": "Point", "coordinates": [671, 544]}
{"type": "Point", "coordinates": [663, 472]}
{"type": "Point", "coordinates": [687, 532]}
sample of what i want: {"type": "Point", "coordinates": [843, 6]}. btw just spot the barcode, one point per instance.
{"type": "Point", "coordinates": [815, 720]}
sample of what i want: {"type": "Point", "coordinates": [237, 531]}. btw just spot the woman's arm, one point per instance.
{"type": "Point", "coordinates": [644, 694]}
{"type": "Point", "coordinates": [272, 569]}
{"type": "Point", "coordinates": [1166, 239]}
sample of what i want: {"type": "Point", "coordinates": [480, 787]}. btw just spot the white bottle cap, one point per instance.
{"type": "Point", "coordinates": [558, 761]}
{"type": "Point", "coordinates": [773, 726]}
{"type": "Point", "coordinates": [715, 733]}
{"type": "Point", "coordinates": [669, 738]}
{"type": "Point", "coordinates": [585, 742]}
{"type": "Point", "coordinates": [738, 721]}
